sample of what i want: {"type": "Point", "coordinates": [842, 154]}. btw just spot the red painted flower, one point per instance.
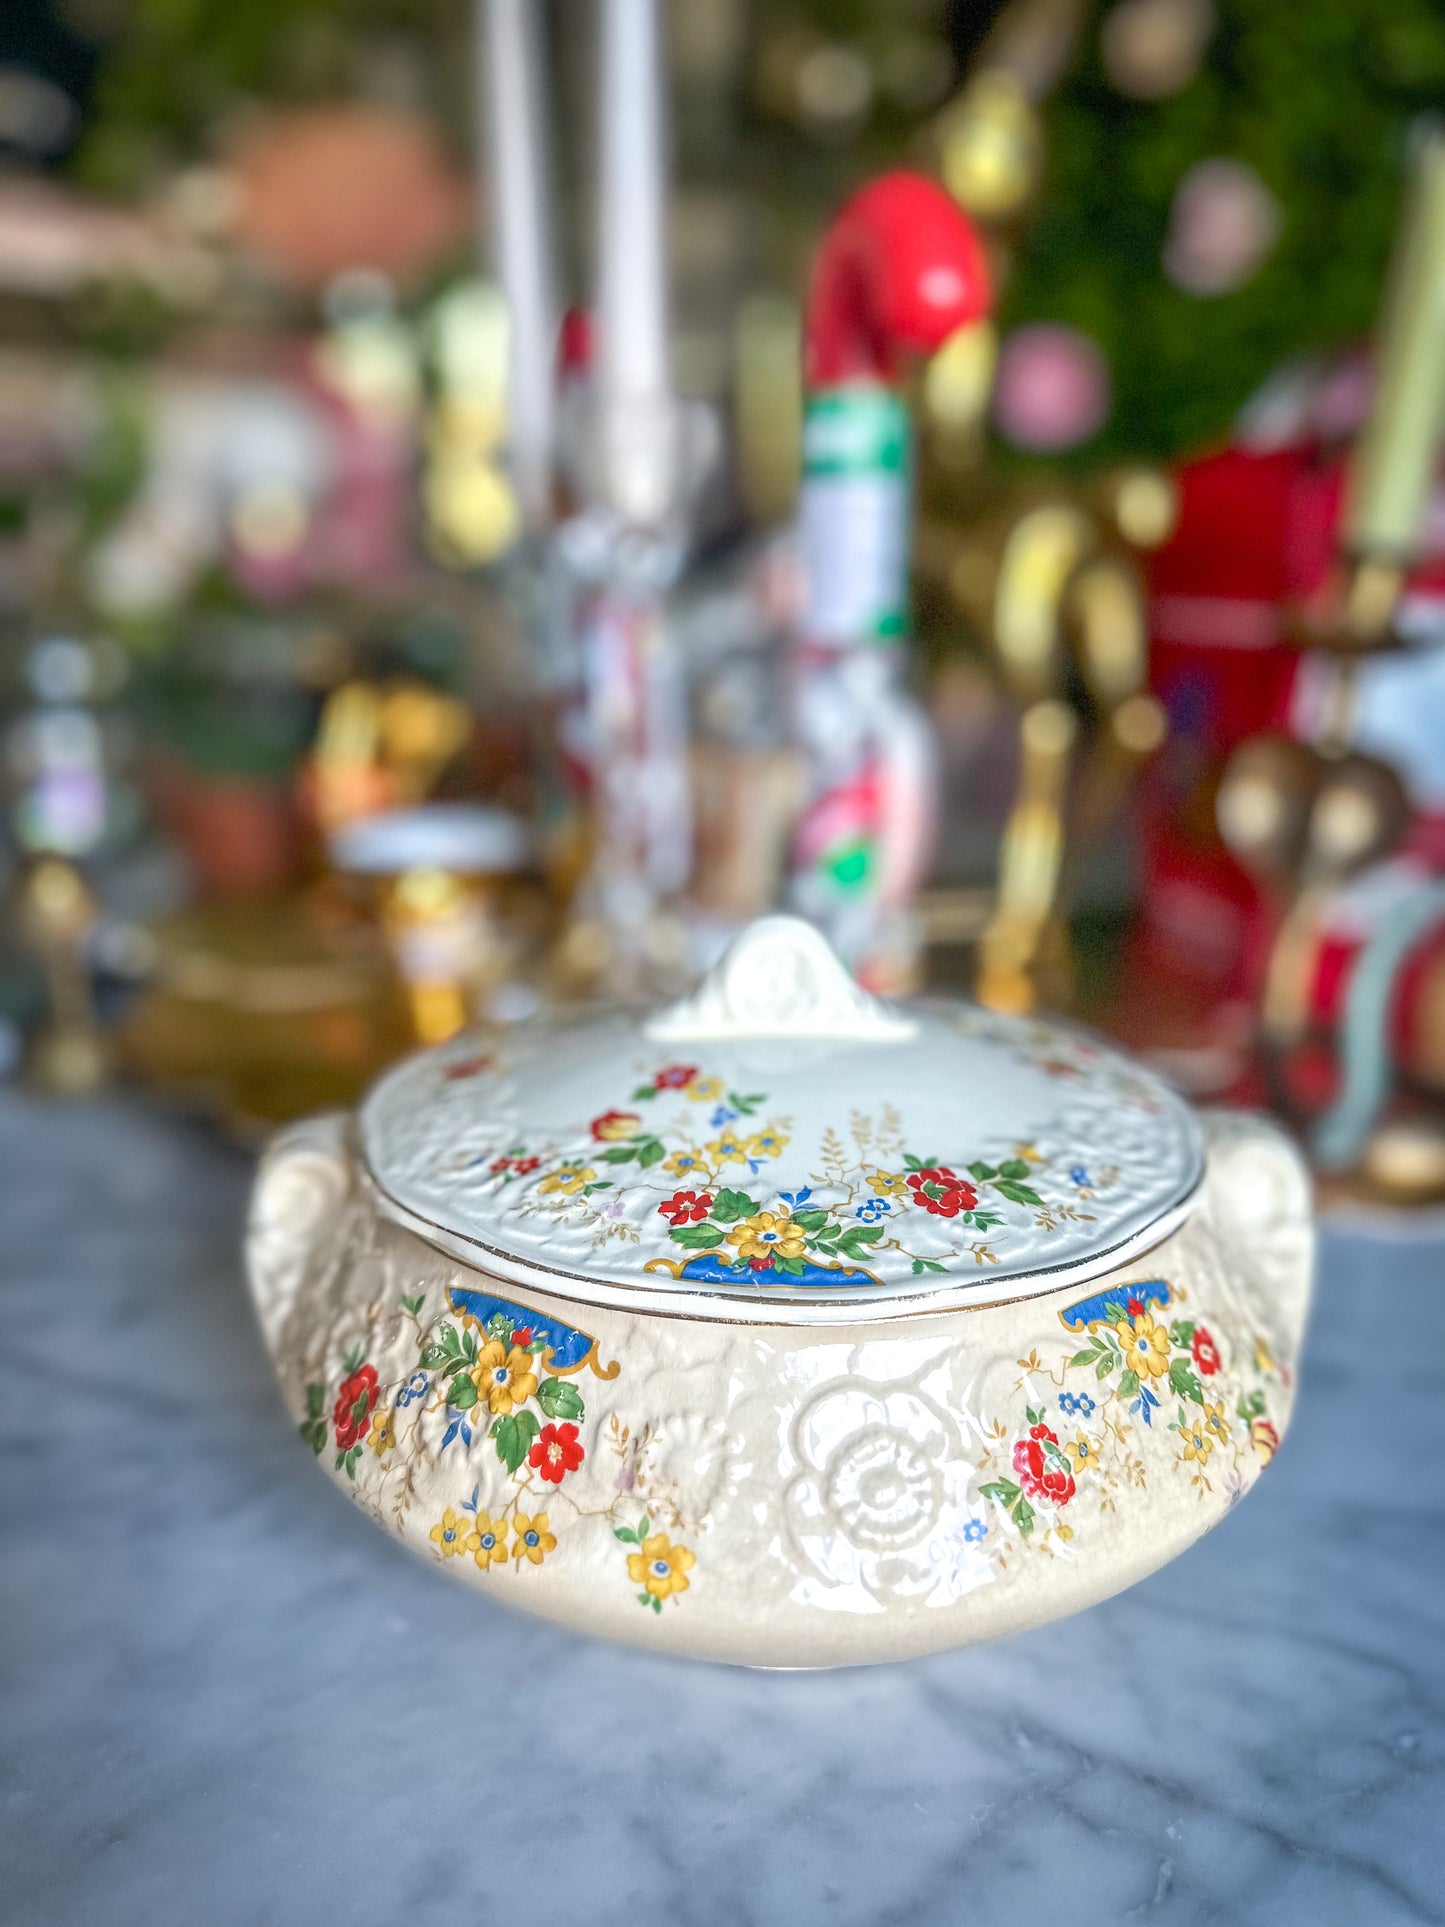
{"type": "Point", "coordinates": [354, 1403]}
{"type": "Point", "coordinates": [938, 1190]}
{"type": "Point", "coordinates": [760, 1264]}
{"type": "Point", "coordinates": [1206, 1352]}
{"type": "Point", "coordinates": [467, 1067]}
{"type": "Point", "coordinates": [675, 1076]}
{"type": "Point", "coordinates": [556, 1451]}
{"type": "Point", "coordinates": [524, 1167]}
{"type": "Point", "coordinates": [612, 1127]}
{"type": "Point", "coordinates": [686, 1207]}
{"type": "Point", "coordinates": [522, 1336]}
{"type": "Point", "coordinates": [1040, 1477]}
{"type": "Point", "coordinates": [500, 1165]}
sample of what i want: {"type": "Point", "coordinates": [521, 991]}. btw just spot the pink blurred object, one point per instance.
{"type": "Point", "coordinates": [1053, 389]}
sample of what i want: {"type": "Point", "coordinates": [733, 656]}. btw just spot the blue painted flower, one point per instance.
{"type": "Point", "coordinates": [1079, 1175]}
{"type": "Point", "coordinates": [974, 1531]}
{"type": "Point", "coordinates": [414, 1388]}
{"type": "Point", "coordinates": [722, 1115]}
{"type": "Point", "coordinates": [872, 1209]}
{"type": "Point", "coordinates": [1079, 1404]}
{"type": "Point", "coordinates": [794, 1198]}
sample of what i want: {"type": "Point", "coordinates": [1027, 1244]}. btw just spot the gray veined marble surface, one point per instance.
{"type": "Point", "coordinates": [227, 1698]}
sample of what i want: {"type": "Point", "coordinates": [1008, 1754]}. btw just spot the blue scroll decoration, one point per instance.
{"type": "Point", "coordinates": [1109, 1306]}
{"type": "Point", "coordinates": [568, 1349]}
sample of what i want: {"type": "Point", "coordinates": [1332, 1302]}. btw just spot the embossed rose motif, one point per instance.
{"type": "Point", "coordinates": [880, 1501]}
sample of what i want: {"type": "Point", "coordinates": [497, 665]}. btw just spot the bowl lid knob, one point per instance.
{"type": "Point", "coordinates": [780, 978]}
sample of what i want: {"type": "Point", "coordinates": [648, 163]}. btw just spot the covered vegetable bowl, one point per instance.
{"type": "Point", "coordinates": [781, 1325]}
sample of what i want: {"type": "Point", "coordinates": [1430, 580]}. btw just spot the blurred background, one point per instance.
{"type": "Point", "coordinates": [492, 498]}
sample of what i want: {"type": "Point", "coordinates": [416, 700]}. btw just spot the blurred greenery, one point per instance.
{"type": "Point", "coordinates": [1317, 97]}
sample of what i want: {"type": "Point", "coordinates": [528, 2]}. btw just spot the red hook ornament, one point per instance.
{"type": "Point", "coordinates": [900, 268]}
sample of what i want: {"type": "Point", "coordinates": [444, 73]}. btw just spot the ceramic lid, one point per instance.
{"type": "Point", "coordinates": [782, 1142]}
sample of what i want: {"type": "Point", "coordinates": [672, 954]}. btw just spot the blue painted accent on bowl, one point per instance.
{"type": "Point", "coordinates": [1108, 1307]}
{"type": "Point", "coordinates": [569, 1347]}
{"type": "Point", "coordinates": [711, 1270]}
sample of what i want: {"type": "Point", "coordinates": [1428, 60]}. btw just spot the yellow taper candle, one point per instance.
{"type": "Point", "coordinates": [1394, 460]}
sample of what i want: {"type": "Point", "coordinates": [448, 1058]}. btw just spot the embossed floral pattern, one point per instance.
{"type": "Point", "coordinates": [1135, 1356]}
{"type": "Point", "coordinates": [501, 1386]}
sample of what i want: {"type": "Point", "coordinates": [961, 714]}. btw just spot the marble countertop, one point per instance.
{"type": "Point", "coordinates": [225, 1698]}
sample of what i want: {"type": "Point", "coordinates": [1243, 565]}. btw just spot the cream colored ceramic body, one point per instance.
{"type": "Point", "coordinates": [779, 1484]}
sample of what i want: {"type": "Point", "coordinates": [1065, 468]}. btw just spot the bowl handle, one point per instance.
{"type": "Point", "coordinates": [303, 1182]}
{"type": "Point", "coordinates": [1260, 1196]}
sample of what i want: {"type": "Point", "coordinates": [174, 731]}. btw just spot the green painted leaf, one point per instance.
{"type": "Point", "coordinates": [315, 1401]}
{"type": "Point", "coordinates": [1128, 1384]}
{"type": "Point", "coordinates": [353, 1358]}
{"type": "Point", "coordinates": [863, 1234]}
{"type": "Point", "coordinates": [462, 1393]}
{"type": "Point", "coordinates": [925, 1264]}
{"type": "Point", "coordinates": [1035, 1415]}
{"type": "Point", "coordinates": [602, 1184]}
{"type": "Point", "coordinates": [625, 1534]}
{"type": "Point", "coordinates": [1085, 1357]}
{"type": "Point", "coordinates": [745, 1102]}
{"type": "Point", "coordinates": [646, 1599]}
{"type": "Point", "coordinates": [730, 1205]}
{"type": "Point", "coordinates": [644, 1091]}
{"type": "Point", "coordinates": [558, 1399]}
{"type": "Point", "coordinates": [1181, 1332]}
{"type": "Point", "coordinates": [1022, 1514]}
{"type": "Point", "coordinates": [414, 1305]}
{"type": "Point", "coordinates": [644, 1526]}
{"type": "Point", "coordinates": [652, 1152]}
{"type": "Point", "coordinates": [1013, 1168]}
{"type": "Point", "coordinates": [1185, 1382]}
{"type": "Point", "coordinates": [620, 1153]}
{"type": "Point", "coordinates": [1107, 1364]}
{"type": "Point", "coordinates": [513, 1437]}
{"type": "Point", "coordinates": [790, 1267]}
{"type": "Point", "coordinates": [1017, 1193]}
{"type": "Point", "coordinates": [810, 1220]}
{"type": "Point", "coordinates": [911, 1163]}
{"type": "Point", "coordinates": [1004, 1490]}
{"type": "Point", "coordinates": [314, 1433]}
{"type": "Point", "coordinates": [696, 1237]}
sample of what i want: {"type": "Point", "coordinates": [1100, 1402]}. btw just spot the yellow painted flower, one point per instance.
{"type": "Point", "coordinates": [503, 1378]}
{"type": "Point", "coordinates": [1081, 1455]}
{"type": "Point", "coordinates": [1028, 1153]}
{"type": "Point", "coordinates": [767, 1236]}
{"type": "Point", "coordinates": [728, 1149]}
{"type": "Point", "coordinates": [886, 1184]}
{"type": "Point", "coordinates": [1215, 1423]}
{"type": "Point", "coordinates": [615, 1127]}
{"type": "Point", "coordinates": [533, 1540]}
{"type": "Point", "coordinates": [1145, 1345]}
{"type": "Point", "coordinates": [568, 1178]}
{"type": "Point", "coordinates": [454, 1533]}
{"type": "Point", "coordinates": [684, 1164]}
{"type": "Point", "coordinates": [1264, 1438]}
{"type": "Point", "coordinates": [1264, 1357]}
{"type": "Point", "coordinates": [704, 1090]}
{"type": "Point", "coordinates": [489, 1541]}
{"type": "Point", "coordinates": [1195, 1440]}
{"type": "Point", "coordinates": [383, 1433]}
{"type": "Point", "coordinates": [661, 1566]}
{"type": "Point", "coordinates": [767, 1143]}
